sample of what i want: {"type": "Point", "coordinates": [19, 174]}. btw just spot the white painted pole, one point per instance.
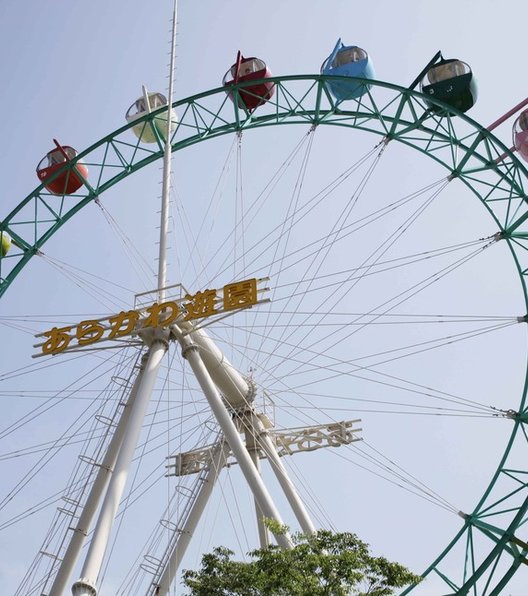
{"type": "Point", "coordinates": [165, 192]}
{"type": "Point", "coordinates": [106, 469]}
{"type": "Point", "coordinates": [250, 435]}
{"type": "Point", "coordinates": [86, 585]}
{"type": "Point", "coordinates": [255, 482]}
{"type": "Point", "coordinates": [186, 533]}
{"type": "Point", "coordinates": [261, 527]}
{"type": "Point", "coordinates": [282, 475]}
{"type": "Point", "coordinates": [231, 384]}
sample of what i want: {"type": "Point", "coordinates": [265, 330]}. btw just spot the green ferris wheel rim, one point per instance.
{"type": "Point", "coordinates": [468, 151]}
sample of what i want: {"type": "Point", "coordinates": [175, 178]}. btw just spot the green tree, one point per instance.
{"type": "Point", "coordinates": [323, 564]}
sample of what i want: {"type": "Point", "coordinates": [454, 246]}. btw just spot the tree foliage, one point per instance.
{"type": "Point", "coordinates": [322, 564]}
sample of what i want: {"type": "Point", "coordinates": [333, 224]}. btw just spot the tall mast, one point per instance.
{"type": "Point", "coordinates": [86, 585]}
{"type": "Point", "coordinates": [167, 159]}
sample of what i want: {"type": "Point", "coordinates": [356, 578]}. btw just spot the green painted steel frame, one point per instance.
{"type": "Point", "coordinates": [470, 154]}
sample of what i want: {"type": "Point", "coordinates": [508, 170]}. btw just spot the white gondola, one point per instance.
{"type": "Point", "coordinates": [5, 243]}
{"type": "Point", "coordinates": [145, 131]}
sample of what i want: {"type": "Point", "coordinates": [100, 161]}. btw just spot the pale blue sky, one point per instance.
{"type": "Point", "coordinates": [71, 69]}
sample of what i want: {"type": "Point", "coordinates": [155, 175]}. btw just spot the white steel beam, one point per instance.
{"type": "Point", "coordinates": [263, 439]}
{"type": "Point", "coordinates": [86, 585]}
{"type": "Point", "coordinates": [190, 351]}
{"type": "Point", "coordinates": [98, 487]}
{"type": "Point", "coordinates": [253, 450]}
{"type": "Point", "coordinates": [170, 569]}
{"type": "Point", "coordinates": [231, 384]}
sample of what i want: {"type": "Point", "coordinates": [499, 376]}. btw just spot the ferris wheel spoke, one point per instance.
{"type": "Point", "coordinates": [82, 421]}
{"type": "Point", "coordinates": [331, 298]}
{"type": "Point", "coordinates": [99, 371]}
{"type": "Point", "coordinates": [225, 255]}
{"type": "Point", "coordinates": [144, 271]}
{"type": "Point", "coordinates": [103, 298]}
{"type": "Point", "coordinates": [396, 480]}
{"type": "Point", "coordinates": [273, 240]}
{"type": "Point", "coordinates": [313, 267]}
{"type": "Point", "coordinates": [395, 301]}
{"type": "Point", "coordinates": [377, 253]}
{"type": "Point", "coordinates": [403, 351]}
{"type": "Point", "coordinates": [335, 369]}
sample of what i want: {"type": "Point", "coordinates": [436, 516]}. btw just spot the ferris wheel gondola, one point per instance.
{"type": "Point", "coordinates": [352, 62]}
{"type": "Point", "coordinates": [5, 243]}
{"type": "Point", "coordinates": [520, 134]}
{"type": "Point", "coordinates": [245, 70]}
{"type": "Point", "coordinates": [69, 181]}
{"type": "Point", "coordinates": [451, 81]}
{"type": "Point", "coordinates": [144, 105]}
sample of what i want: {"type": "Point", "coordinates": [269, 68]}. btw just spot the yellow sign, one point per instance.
{"type": "Point", "coordinates": [238, 295]}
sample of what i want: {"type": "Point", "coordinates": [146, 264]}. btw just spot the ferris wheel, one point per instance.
{"type": "Point", "coordinates": [313, 318]}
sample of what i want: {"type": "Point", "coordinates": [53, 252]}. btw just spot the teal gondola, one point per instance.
{"type": "Point", "coordinates": [351, 62]}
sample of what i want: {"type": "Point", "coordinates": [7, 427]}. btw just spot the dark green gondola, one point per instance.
{"type": "Point", "coordinates": [452, 82]}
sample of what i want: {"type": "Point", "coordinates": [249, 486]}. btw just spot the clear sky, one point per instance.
{"type": "Point", "coordinates": [70, 70]}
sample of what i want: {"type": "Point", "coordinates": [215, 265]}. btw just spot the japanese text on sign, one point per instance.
{"type": "Point", "coordinates": [235, 296]}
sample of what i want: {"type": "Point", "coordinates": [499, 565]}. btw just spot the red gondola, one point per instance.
{"type": "Point", "coordinates": [250, 69]}
{"type": "Point", "coordinates": [69, 181]}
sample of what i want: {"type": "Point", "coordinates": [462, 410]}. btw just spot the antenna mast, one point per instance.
{"type": "Point", "coordinates": [167, 161]}
{"type": "Point", "coordinates": [86, 585]}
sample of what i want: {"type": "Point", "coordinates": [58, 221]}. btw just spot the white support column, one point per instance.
{"type": "Point", "coordinates": [186, 533]}
{"type": "Point", "coordinates": [86, 585]}
{"type": "Point", "coordinates": [98, 487]}
{"type": "Point", "coordinates": [231, 384]}
{"type": "Point", "coordinates": [281, 473]}
{"type": "Point", "coordinates": [256, 484]}
{"type": "Point", "coordinates": [252, 447]}
{"type": "Point", "coordinates": [261, 526]}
